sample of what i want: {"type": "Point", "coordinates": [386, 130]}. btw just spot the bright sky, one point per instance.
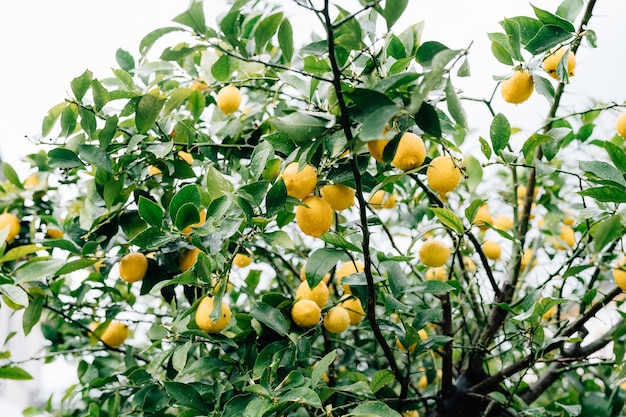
{"type": "Point", "coordinates": [45, 44]}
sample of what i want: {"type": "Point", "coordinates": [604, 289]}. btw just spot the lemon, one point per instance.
{"type": "Point", "coordinates": [518, 88]}
{"type": "Point", "coordinates": [337, 319]}
{"type": "Point", "coordinates": [443, 175]}
{"type": "Point", "coordinates": [188, 229]}
{"type": "Point", "coordinates": [229, 99]}
{"type": "Point", "coordinates": [339, 196]}
{"type": "Point", "coordinates": [187, 258]}
{"type": "Point", "coordinates": [527, 258]}
{"type": "Point", "coordinates": [306, 313]}
{"type": "Point", "coordinates": [32, 181]}
{"type": "Point", "coordinates": [434, 253]}
{"type": "Point", "coordinates": [620, 124]}
{"type": "Point", "coordinates": [53, 233]}
{"type": "Point", "coordinates": [438, 274]}
{"type": "Point", "coordinates": [242, 260]}
{"type": "Point", "coordinates": [347, 269]}
{"type": "Point", "coordinates": [299, 183]}
{"type": "Point", "coordinates": [410, 413]}
{"type": "Point", "coordinates": [422, 335]}
{"type": "Point", "coordinates": [551, 62]}
{"type": "Point", "coordinates": [326, 278]}
{"type": "Point", "coordinates": [491, 250]}
{"type": "Point", "coordinates": [354, 308]}
{"type": "Point", "coordinates": [376, 148]}
{"type": "Point", "coordinates": [203, 319]}
{"type": "Point", "coordinates": [483, 216]}
{"type": "Point", "coordinates": [133, 267]}
{"type": "Point", "coordinates": [521, 193]}
{"type": "Point", "coordinates": [114, 334]}
{"type": "Point", "coordinates": [12, 222]}
{"type": "Point", "coordinates": [551, 312]}
{"type": "Point", "coordinates": [566, 236]}
{"type": "Point", "coordinates": [199, 85]}
{"type": "Point", "coordinates": [154, 171]}
{"type": "Point", "coordinates": [391, 201]}
{"type": "Point", "coordinates": [319, 294]}
{"type": "Point", "coordinates": [377, 200]}
{"type": "Point", "coordinates": [185, 156]}
{"type": "Point", "coordinates": [502, 222]}
{"type": "Point", "coordinates": [619, 273]}
{"type": "Point", "coordinates": [410, 152]}
{"type": "Point", "coordinates": [468, 264]}
{"type": "Point", "coordinates": [315, 218]}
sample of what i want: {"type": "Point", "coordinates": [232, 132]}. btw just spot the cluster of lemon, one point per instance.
{"type": "Point", "coordinates": [308, 308]}
{"type": "Point", "coordinates": [519, 87]}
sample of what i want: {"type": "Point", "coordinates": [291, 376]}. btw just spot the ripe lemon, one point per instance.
{"type": "Point", "coordinates": [347, 269]}
{"type": "Point", "coordinates": [619, 273]}
{"type": "Point", "coordinates": [187, 258]}
{"type": "Point", "coordinates": [443, 175]}
{"type": "Point", "coordinates": [518, 88]}
{"type": "Point", "coordinates": [12, 222]}
{"type": "Point", "coordinates": [316, 219]}
{"type": "Point", "coordinates": [566, 236]}
{"type": "Point", "coordinates": [410, 413]}
{"type": "Point", "coordinates": [434, 253]}
{"type": "Point", "coordinates": [491, 250]}
{"type": "Point", "coordinates": [133, 267]}
{"type": "Point", "coordinates": [503, 222]}
{"type": "Point", "coordinates": [326, 278]}
{"type": "Point", "coordinates": [199, 85]}
{"type": "Point", "coordinates": [306, 313]}
{"type": "Point", "coordinates": [299, 183]}
{"type": "Point", "coordinates": [469, 264]}
{"type": "Point", "coordinates": [154, 171]}
{"type": "Point", "coordinates": [53, 233]}
{"type": "Point", "coordinates": [188, 229]}
{"type": "Point", "coordinates": [410, 152]}
{"type": "Point", "coordinates": [527, 258]}
{"type": "Point", "coordinates": [438, 274]}
{"type": "Point", "coordinates": [242, 260]}
{"type": "Point", "coordinates": [620, 124]}
{"type": "Point", "coordinates": [391, 201]}
{"type": "Point", "coordinates": [319, 294]}
{"type": "Point", "coordinates": [185, 156]}
{"type": "Point", "coordinates": [422, 335]}
{"type": "Point", "coordinates": [339, 196]}
{"type": "Point", "coordinates": [483, 216]}
{"type": "Point", "coordinates": [521, 193]}
{"type": "Point", "coordinates": [337, 319]}
{"type": "Point", "coordinates": [376, 148]}
{"type": "Point", "coordinates": [114, 334]}
{"type": "Point", "coordinates": [229, 99]}
{"type": "Point", "coordinates": [203, 313]}
{"type": "Point", "coordinates": [377, 200]}
{"type": "Point", "coordinates": [354, 308]}
{"type": "Point", "coordinates": [551, 62]}
{"type": "Point", "coordinates": [32, 181]}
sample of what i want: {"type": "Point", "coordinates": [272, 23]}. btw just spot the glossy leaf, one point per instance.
{"type": "Point", "coordinates": [193, 18]}
{"type": "Point", "coordinates": [499, 132]}
{"type": "Point", "coordinates": [81, 84]}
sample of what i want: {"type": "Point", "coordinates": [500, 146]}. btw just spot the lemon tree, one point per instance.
{"type": "Point", "coordinates": [263, 226]}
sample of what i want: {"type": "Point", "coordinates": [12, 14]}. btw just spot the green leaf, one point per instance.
{"type": "Point", "coordinates": [428, 120]}
{"type": "Point", "coordinates": [150, 211]}
{"type": "Point", "coordinates": [499, 132]}
{"type": "Point", "coordinates": [340, 242]}
{"type": "Point", "coordinates": [278, 238]}
{"type": "Point", "coordinates": [193, 18]}
{"type": "Point", "coordinates": [125, 60]}
{"type": "Point", "coordinates": [454, 105]}
{"type": "Point", "coordinates": [285, 40]}
{"type": "Point", "coordinates": [146, 43]}
{"type": "Point", "coordinates": [603, 171]}
{"type": "Point", "coordinates": [374, 408]}
{"type": "Point", "coordinates": [100, 95]}
{"type": "Point", "coordinates": [605, 231]}
{"type": "Point", "coordinates": [470, 211]}
{"type": "Point", "coordinates": [266, 29]}
{"type": "Point", "coordinates": [148, 110]}
{"type": "Point", "coordinates": [11, 175]}
{"type": "Point", "coordinates": [531, 144]}
{"type": "Point", "coordinates": [320, 262]}
{"type": "Point", "coordinates": [196, 103]}
{"type": "Point", "coordinates": [569, 9]}
{"type": "Point", "coordinates": [431, 79]}
{"type": "Point", "coordinates": [548, 18]}
{"type": "Point", "coordinates": [14, 372]}
{"type": "Point", "coordinates": [176, 98]}
{"type": "Point", "coordinates": [501, 53]}
{"type": "Point", "coordinates": [617, 155]}
{"type": "Point", "coordinates": [223, 68]}
{"type": "Point", "coordinates": [271, 317]}
{"type": "Point", "coordinates": [20, 251]}
{"type": "Point", "coordinates": [68, 119]}
{"type": "Point", "coordinates": [152, 238]}
{"type": "Point", "coordinates": [396, 277]}
{"type": "Point", "coordinates": [87, 121]}
{"type": "Point", "coordinates": [484, 147]}
{"type": "Point", "coordinates": [95, 156]}
{"type": "Point", "coordinates": [37, 269]}
{"type": "Point", "coordinates": [32, 314]}
{"type": "Point", "coordinates": [381, 379]}
{"type": "Point", "coordinates": [108, 131]}
{"type": "Point", "coordinates": [261, 154]}
{"type": "Point", "coordinates": [431, 287]}
{"type": "Point", "coordinates": [372, 128]}
{"type": "Point", "coordinates": [187, 194]}
{"type": "Point", "coordinates": [548, 37]}
{"type": "Point", "coordinates": [427, 51]}
{"type": "Point", "coordinates": [512, 29]}
{"type": "Point", "coordinates": [53, 115]}
{"type": "Point", "coordinates": [302, 395]}
{"type": "Point", "coordinates": [605, 194]}
{"type": "Point", "coordinates": [186, 215]}
{"type": "Point", "coordinates": [299, 126]}
{"type": "Point", "coordinates": [449, 219]}
{"type": "Point", "coordinates": [322, 366]}
{"type": "Point", "coordinates": [216, 184]}
{"type": "Point", "coordinates": [187, 396]}
{"type": "Point", "coordinates": [15, 293]}
{"type": "Point", "coordinates": [81, 84]}
{"type": "Point", "coordinates": [276, 198]}
{"type": "Point", "coordinates": [393, 11]}
{"type": "Point", "coordinates": [75, 265]}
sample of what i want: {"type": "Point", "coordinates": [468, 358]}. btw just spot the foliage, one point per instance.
{"type": "Point", "coordinates": [145, 161]}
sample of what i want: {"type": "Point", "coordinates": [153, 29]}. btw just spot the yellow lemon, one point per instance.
{"type": "Point", "coordinates": [306, 313]}
{"type": "Point", "coordinates": [154, 171]}
{"type": "Point", "coordinates": [551, 62]}
{"type": "Point", "coordinates": [347, 269]}
{"type": "Point", "coordinates": [502, 222]}
{"type": "Point", "coordinates": [203, 313]}
{"type": "Point", "coordinates": [299, 183]}
{"type": "Point", "coordinates": [391, 201]}
{"type": "Point", "coordinates": [12, 222]}
{"type": "Point", "coordinates": [528, 259]}
{"type": "Point", "coordinates": [410, 152]}
{"type": "Point", "coordinates": [483, 216]}
{"type": "Point", "coordinates": [188, 229]}
{"type": "Point", "coordinates": [185, 156]}
{"type": "Point", "coordinates": [354, 308]}
{"type": "Point", "coordinates": [199, 85]}
{"type": "Point", "coordinates": [438, 274]}
{"type": "Point", "coordinates": [242, 260]}
{"type": "Point", "coordinates": [315, 218]}
{"type": "Point", "coordinates": [229, 99]}
{"type": "Point", "coordinates": [377, 200]}
{"type": "Point", "coordinates": [133, 267]}
{"type": "Point", "coordinates": [491, 250]}
{"type": "Point", "coordinates": [339, 196]}
{"type": "Point", "coordinates": [337, 319]}
{"type": "Point", "coordinates": [434, 253]}
{"type": "Point", "coordinates": [319, 294]}
{"type": "Point", "coordinates": [410, 413]}
{"type": "Point", "coordinates": [187, 258]}
{"type": "Point", "coordinates": [376, 148]}
{"type": "Point", "coordinates": [443, 175]}
{"type": "Point", "coordinates": [619, 273]}
{"type": "Point", "coordinates": [422, 335]}
{"type": "Point", "coordinates": [566, 236]}
{"type": "Point", "coordinates": [620, 124]}
{"type": "Point", "coordinates": [114, 334]}
{"type": "Point", "coordinates": [469, 264]}
{"type": "Point", "coordinates": [32, 181]}
{"type": "Point", "coordinates": [518, 88]}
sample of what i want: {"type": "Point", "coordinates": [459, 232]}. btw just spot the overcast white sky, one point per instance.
{"type": "Point", "coordinates": [45, 44]}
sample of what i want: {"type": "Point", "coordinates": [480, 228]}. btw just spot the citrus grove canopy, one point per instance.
{"type": "Point", "coordinates": [246, 227]}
